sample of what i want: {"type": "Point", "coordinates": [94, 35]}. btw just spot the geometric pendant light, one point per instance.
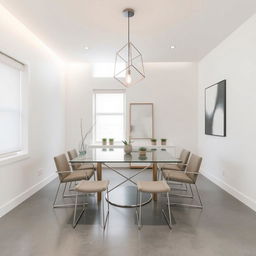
{"type": "Point", "coordinates": [129, 68]}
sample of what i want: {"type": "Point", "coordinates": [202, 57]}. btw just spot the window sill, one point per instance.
{"type": "Point", "coordinates": [14, 158]}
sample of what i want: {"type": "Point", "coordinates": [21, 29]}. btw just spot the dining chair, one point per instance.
{"type": "Point", "coordinates": [189, 176]}
{"type": "Point", "coordinates": [153, 187]}
{"type": "Point", "coordinates": [184, 156]}
{"type": "Point", "coordinates": [87, 187]}
{"type": "Point", "coordinates": [77, 166]}
{"type": "Point", "coordinates": [66, 175]}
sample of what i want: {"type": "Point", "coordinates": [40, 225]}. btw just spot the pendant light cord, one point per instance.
{"type": "Point", "coordinates": [129, 49]}
{"type": "Point", "coordinates": [128, 28]}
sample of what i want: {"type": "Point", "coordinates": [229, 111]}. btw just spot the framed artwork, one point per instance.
{"type": "Point", "coordinates": [141, 126]}
{"type": "Point", "coordinates": [215, 109]}
{"type": "Point", "coordinates": [141, 121]}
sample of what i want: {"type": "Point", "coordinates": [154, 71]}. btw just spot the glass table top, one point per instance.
{"type": "Point", "coordinates": [117, 155]}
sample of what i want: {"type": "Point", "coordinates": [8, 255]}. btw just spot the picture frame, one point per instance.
{"type": "Point", "coordinates": [215, 109]}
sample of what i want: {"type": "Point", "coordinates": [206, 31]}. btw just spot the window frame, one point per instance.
{"type": "Point", "coordinates": [94, 114]}
{"type": "Point", "coordinates": [22, 152]}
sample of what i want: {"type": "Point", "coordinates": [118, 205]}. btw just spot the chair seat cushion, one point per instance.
{"type": "Point", "coordinates": [153, 186]}
{"type": "Point", "coordinates": [179, 176]}
{"type": "Point", "coordinates": [79, 175]}
{"type": "Point", "coordinates": [172, 167]}
{"type": "Point", "coordinates": [84, 166]}
{"type": "Point", "coordinates": [92, 186]}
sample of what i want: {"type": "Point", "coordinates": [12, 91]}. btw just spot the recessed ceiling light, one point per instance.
{"type": "Point", "coordinates": [172, 47]}
{"type": "Point", "coordinates": [86, 48]}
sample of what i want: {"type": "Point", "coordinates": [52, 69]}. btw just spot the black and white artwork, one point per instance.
{"type": "Point", "coordinates": [215, 109]}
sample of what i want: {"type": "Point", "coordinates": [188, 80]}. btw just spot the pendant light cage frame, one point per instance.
{"type": "Point", "coordinates": [129, 60]}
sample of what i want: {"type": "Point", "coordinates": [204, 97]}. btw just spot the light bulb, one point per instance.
{"type": "Point", "coordinates": [128, 77]}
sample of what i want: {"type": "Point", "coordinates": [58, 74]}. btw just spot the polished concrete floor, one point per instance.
{"type": "Point", "coordinates": [224, 227]}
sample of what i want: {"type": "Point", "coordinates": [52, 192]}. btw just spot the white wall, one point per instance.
{"type": "Point", "coordinates": [46, 114]}
{"type": "Point", "coordinates": [172, 87]}
{"type": "Point", "coordinates": [230, 161]}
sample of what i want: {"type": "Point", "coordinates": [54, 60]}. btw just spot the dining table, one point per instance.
{"type": "Point", "coordinates": [108, 157]}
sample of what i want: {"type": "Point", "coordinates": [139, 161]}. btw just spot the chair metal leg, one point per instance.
{"type": "Point", "coordinates": [191, 190]}
{"type": "Point", "coordinates": [70, 189]}
{"type": "Point", "coordinates": [140, 216]}
{"type": "Point", "coordinates": [103, 212]}
{"type": "Point", "coordinates": [168, 220]}
{"type": "Point", "coordinates": [185, 196]}
{"type": "Point", "coordinates": [75, 221]}
{"type": "Point", "coordinates": [74, 217]}
{"type": "Point", "coordinates": [57, 192]}
{"type": "Point", "coordinates": [108, 198]}
{"type": "Point", "coordinates": [63, 193]}
{"type": "Point", "coordinates": [104, 220]}
{"type": "Point", "coordinates": [136, 207]}
{"type": "Point", "coordinates": [70, 183]}
{"type": "Point", "coordinates": [160, 174]}
{"type": "Point", "coordinates": [62, 205]}
{"type": "Point", "coordinates": [200, 206]}
{"type": "Point", "coordinates": [169, 208]}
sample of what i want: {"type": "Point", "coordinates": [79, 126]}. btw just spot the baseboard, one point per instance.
{"type": "Point", "coordinates": [7, 207]}
{"type": "Point", "coordinates": [231, 190]}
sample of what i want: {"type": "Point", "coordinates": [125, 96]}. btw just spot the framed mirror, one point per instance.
{"type": "Point", "coordinates": [141, 121]}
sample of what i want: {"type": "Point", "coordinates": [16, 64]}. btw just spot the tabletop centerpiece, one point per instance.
{"type": "Point", "coordinates": [104, 141]}
{"type": "Point", "coordinates": [142, 151]}
{"type": "Point", "coordinates": [82, 145]}
{"type": "Point", "coordinates": [163, 142]}
{"type": "Point", "coordinates": [111, 141]}
{"type": "Point", "coordinates": [127, 146]}
{"type": "Point", "coordinates": [153, 141]}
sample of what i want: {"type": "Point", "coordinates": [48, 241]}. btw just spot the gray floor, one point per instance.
{"type": "Point", "coordinates": [224, 227]}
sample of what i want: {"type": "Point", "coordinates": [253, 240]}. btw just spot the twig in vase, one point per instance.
{"type": "Point", "coordinates": [86, 134]}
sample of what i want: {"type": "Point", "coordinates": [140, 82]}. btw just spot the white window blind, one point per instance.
{"type": "Point", "coordinates": [10, 105]}
{"type": "Point", "coordinates": [109, 115]}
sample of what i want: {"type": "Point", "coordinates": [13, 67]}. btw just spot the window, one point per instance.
{"type": "Point", "coordinates": [11, 105]}
{"type": "Point", "coordinates": [108, 115]}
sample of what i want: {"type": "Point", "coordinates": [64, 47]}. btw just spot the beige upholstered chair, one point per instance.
{"type": "Point", "coordinates": [66, 175]}
{"type": "Point", "coordinates": [73, 154]}
{"type": "Point", "coordinates": [153, 187]}
{"type": "Point", "coordinates": [87, 187]}
{"type": "Point", "coordinates": [189, 176]}
{"type": "Point", "coordinates": [184, 156]}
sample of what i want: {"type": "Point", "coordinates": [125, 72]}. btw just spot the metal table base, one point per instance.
{"type": "Point", "coordinates": [125, 196]}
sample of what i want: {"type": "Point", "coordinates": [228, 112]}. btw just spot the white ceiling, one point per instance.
{"type": "Point", "coordinates": [193, 26]}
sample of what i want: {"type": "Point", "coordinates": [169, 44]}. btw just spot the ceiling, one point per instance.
{"type": "Point", "coordinates": [193, 26]}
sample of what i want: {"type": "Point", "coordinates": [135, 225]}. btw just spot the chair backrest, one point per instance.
{"type": "Point", "coordinates": [194, 164]}
{"type": "Point", "coordinates": [184, 156]}
{"type": "Point", "coordinates": [71, 155]}
{"type": "Point", "coordinates": [62, 165]}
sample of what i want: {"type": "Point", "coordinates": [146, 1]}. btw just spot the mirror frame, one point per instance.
{"type": "Point", "coordinates": [130, 118]}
